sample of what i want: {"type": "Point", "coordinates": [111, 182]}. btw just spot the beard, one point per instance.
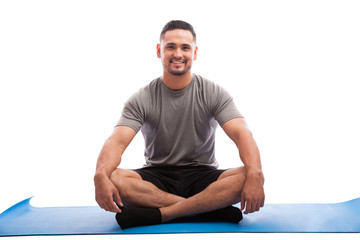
{"type": "Point", "coordinates": [179, 73]}
{"type": "Point", "coordinates": [176, 72]}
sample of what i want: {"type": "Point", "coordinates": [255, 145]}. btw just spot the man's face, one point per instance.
{"type": "Point", "coordinates": [177, 51]}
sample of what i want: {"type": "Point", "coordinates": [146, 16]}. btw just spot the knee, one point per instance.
{"type": "Point", "coordinates": [122, 179]}
{"type": "Point", "coordinates": [241, 179]}
{"type": "Point", "coordinates": [118, 178]}
{"type": "Point", "coordinates": [117, 175]}
{"type": "Point", "coordinates": [239, 173]}
{"type": "Point", "coordinates": [238, 180]}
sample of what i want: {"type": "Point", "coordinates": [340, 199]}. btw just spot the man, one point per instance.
{"type": "Point", "coordinates": [178, 114]}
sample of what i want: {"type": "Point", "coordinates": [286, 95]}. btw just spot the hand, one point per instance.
{"type": "Point", "coordinates": [106, 194]}
{"type": "Point", "coordinates": [253, 196]}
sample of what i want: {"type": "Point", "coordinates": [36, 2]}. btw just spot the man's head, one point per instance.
{"type": "Point", "coordinates": [177, 48]}
{"type": "Point", "coordinates": [178, 24]}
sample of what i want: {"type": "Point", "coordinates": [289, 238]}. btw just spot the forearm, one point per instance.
{"type": "Point", "coordinates": [106, 193]}
{"type": "Point", "coordinates": [249, 153]}
{"type": "Point", "coordinates": [110, 155]}
{"type": "Point", "coordinates": [108, 160]}
{"type": "Point", "coordinates": [239, 132]}
{"type": "Point", "coordinates": [252, 195]}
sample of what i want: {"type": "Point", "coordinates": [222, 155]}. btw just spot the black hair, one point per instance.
{"type": "Point", "coordinates": [178, 24]}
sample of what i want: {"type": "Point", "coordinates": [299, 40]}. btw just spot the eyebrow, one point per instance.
{"type": "Point", "coordinates": [183, 45]}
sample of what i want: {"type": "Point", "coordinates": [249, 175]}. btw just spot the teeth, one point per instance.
{"type": "Point", "coordinates": [177, 61]}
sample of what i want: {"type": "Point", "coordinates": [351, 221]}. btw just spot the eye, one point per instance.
{"type": "Point", "coordinates": [170, 47]}
{"type": "Point", "coordinates": [186, 48]}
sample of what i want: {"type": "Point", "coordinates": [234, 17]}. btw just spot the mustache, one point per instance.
{"type": "Point", "coordinates": [178, 59]}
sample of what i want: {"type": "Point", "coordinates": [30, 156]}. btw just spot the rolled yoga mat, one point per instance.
{"type": "Point", "coordinates": [23, 219]}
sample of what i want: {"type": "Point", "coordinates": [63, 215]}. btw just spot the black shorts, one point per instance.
{"type": "Point", "coordinates": [184, 181]}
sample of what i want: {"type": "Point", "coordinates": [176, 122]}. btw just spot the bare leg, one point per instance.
{"type": "Point", "coordinates": [134, 191]}
{"type": "Point", "coordinates": [163, 207]}
{"type": "Point", "coordinates": [222, 193]}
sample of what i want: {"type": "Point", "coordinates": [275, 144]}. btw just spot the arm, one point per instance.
{"type": "Point", "coordinates": [253, 192]}
{"type": "Point", "coordinates": [108, 160]}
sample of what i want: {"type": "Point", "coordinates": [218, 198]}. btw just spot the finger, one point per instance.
{"type": "Point", "coordinates": [117, 199]}
{"type": "Point", "coordinates": [115, 208]}
{"type": "Point", "coordinates": [248, 207]}
{"type": "Point", "coordinates": [101, 205]}
{"type": "Point", "coordinates": [112, 207]}
{"type": "Point", "coordinates": [252, 206]}
{"type": "Point", "coordinates": [257, 208]}
{"type": "Point", "coordinates": [105, 206]}
{"type": "Point", "coordinates": [99, 202]}
{"type": "Point", "coordinates": [242, 202]}
{"type": "Point", "coordinates": [255, 205]}
{"type": "Point", "coordinates": [262, 203]}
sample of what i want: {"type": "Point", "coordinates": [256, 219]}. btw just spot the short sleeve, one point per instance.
{"type": "Point", "coordinates": [133, 113]}
{"type": "Point", "coordinates": [223, 106]}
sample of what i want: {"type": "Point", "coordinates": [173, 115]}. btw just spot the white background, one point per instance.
{"type": "Point", "coordinates": [67, 67]}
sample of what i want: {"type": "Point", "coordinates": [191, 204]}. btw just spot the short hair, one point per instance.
{"type": "Point", "coordinates": [178, 24]}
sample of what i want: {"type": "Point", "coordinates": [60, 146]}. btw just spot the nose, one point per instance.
{"type": "Point", "coordinates": [178, 53]}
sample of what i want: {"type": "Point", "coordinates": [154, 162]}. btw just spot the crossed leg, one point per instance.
{"type": "Point", "coordinates": [134, 191]}
{"type": "Point", "coordinates": [220, 194]}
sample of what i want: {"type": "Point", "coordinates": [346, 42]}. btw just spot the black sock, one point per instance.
{"type": "Point", "coordinates": [228, 214]}
{"type": "Point", "coordinates": [132, 217]}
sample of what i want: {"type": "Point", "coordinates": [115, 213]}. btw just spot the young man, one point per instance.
{"type": "Point", "coordinates": [178, 114]}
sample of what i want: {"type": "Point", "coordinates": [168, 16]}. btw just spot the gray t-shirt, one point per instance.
{"type": "Point", "coordinates": [179, 126]}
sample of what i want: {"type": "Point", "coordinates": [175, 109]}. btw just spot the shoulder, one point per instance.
{"type": "Point", "coordinates": [146, 93]}
{"type": "Point", "coordinates": [208, 87]}
{"type": "Point", "coordinates": [139, 105]}
{"type": "Point", "coordinates": [202, 81]}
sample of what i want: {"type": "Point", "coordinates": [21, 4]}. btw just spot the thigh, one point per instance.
{"type": "Point", "coordinates": [233, 171]}
{"type": "Point", "coordinates": [119, 174]}
{"type": "Point", "coordinates": [162, 177]}
{"type": "Point", "coordinates": [197, 179]}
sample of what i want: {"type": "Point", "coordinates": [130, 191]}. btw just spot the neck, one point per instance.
{"type": "Point", "coordinates": [175, 82]}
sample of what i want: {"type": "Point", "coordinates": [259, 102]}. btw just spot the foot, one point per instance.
{"type": "Point", "coordinates": [132, 217]}
{"type": "Point", "coordinates": [228, 214]}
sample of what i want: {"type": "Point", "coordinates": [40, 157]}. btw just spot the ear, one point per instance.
{"type": "Point", "coordinates": [158, 51]}
{"type": "Point", "coordinates": [195, 53]}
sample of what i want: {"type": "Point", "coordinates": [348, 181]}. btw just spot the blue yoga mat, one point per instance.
{"type": "Point", "coordinates": [23, 219]}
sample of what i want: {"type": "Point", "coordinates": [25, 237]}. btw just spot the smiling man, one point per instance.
{"type": "Point", "coordinates": [178, 114]}
{"type": "Point", "coordinates": [177, 51]}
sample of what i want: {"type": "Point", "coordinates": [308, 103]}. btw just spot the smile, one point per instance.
{"type": "Point", "coordinates": [177, 61]}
